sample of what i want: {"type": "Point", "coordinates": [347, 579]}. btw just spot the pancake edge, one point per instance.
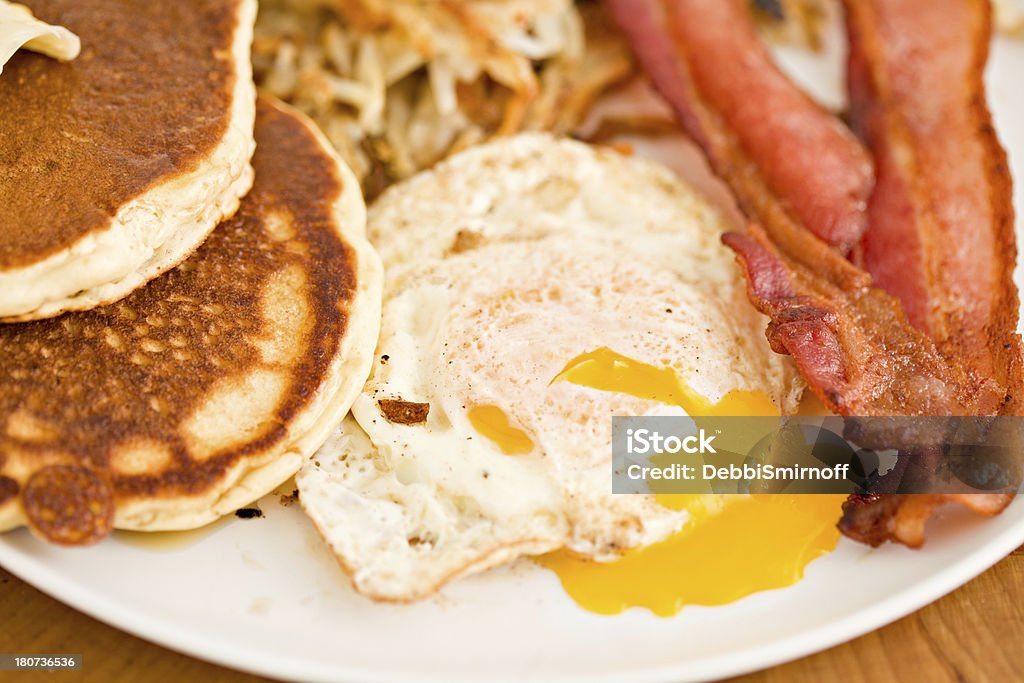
{"type": "Point", "coordinates": [254, 477]}
{"type": "Point", "coordinates": [157, 230]}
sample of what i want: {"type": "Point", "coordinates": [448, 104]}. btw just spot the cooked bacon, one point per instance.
{"type": "Point", "coordinates": [795, 171]}
{"type": "Point", "coordinates": [861, 357]}
{"type": "Point", "coordinates": [875, 519]}
{"type": "Point", "coordinates": [941, 234]}
{"type": "Point", "coordinates": [852, 343]}
{"type": "Point", "coordinates": [779, 152]}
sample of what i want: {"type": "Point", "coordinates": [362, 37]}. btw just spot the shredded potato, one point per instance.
{"type": "Point", "coordinates": [397, 85]}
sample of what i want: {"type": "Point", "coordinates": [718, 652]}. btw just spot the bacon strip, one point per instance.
{"type": "Point", "coordinates": [851, 340]}
{"type": "Point", "coordinates": [941, 235]}
{"type": "Point", "coordinates": [875, 519]}
{"type": "Point", "coordinates": [941, 226]}
{"type": "Point", "coordinates": [860, 355]}
{"type": "Point", "coordinates": [769, 141]}
{"type": "Point", "coordinates": [852, 344]}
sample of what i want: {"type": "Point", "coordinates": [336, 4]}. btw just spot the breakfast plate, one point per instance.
{"type": "Point", "coordinates": [263, 594]}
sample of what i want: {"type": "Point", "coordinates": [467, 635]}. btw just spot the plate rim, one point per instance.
{"type": "Point", "coordinates": [871, 617]}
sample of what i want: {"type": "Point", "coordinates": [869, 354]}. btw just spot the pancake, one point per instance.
{"type": "Point", "coordinates": [115, 166]}
{"type": "Point", "coordinates": [207, 388]}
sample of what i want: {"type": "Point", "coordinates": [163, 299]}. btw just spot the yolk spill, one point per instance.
{"type": "Point", "coordinates": [607, 370]}
{"type": "Point", "coordinates": [492, 422]}
{"type": "Point", "coordinates": [732, 546]}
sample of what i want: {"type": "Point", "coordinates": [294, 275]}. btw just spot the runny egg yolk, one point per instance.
{"type": "Point", "coordinates": [493, 423]}
{"type": "Point", "coordinates": [732, 545]}
{"type": "Point", "coordinates": [607, 370]}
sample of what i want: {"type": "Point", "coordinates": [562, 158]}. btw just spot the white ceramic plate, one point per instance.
{"type": "Point", "coordinates": [264, 596]}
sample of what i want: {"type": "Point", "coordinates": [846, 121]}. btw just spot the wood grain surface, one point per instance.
{"type": "Point", "coordinates": [974, 634]}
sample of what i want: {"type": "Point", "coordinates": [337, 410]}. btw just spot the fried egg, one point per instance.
{"type": "Point", "coordinates": [535, 288]}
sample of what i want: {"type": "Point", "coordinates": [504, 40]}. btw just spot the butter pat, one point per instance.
{"type": "Point", "coordinates": [19, 29]}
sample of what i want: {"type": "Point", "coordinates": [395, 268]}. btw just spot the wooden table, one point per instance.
{"type": "Point", "coordinates": [974, 634]}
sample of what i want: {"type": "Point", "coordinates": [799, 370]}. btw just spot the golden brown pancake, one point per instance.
{"type": "Point", "coordinates": [115, 166]}
{"type": "Point", "coordinates": [208, 387]}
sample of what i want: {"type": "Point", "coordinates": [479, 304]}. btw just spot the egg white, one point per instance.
{"type": "Point", "coordinates": [569, 249]}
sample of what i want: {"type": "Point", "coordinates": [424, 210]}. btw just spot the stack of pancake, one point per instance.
{"type": "Point", "coordinates": [184, 321]}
